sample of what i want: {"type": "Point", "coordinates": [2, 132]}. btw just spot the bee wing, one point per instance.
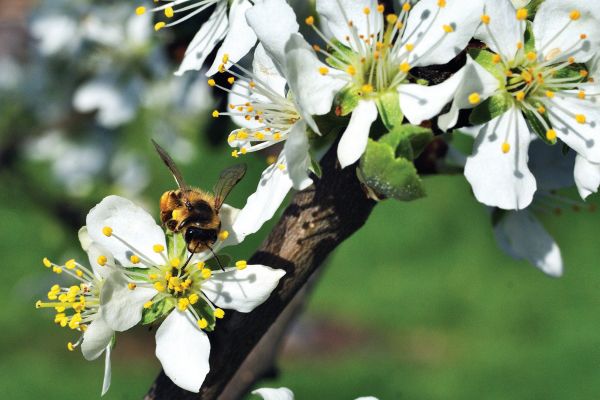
{"type": "Point", "coordinates": [172, 167]}
{"type": "Point", "coordinates": [227, 180]}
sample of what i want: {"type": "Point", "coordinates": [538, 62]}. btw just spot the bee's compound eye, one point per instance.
{"type": "Point", "coordinates": [193, 233]}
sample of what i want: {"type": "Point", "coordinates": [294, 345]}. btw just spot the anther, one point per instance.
{"type": "Point", "coordinates": [240, 265]}
{"type": "Point", "coordinates": [159, 25]}
{"type": "Point", "coordinates": [158, 248]}
{"type": "Point", "coordinates": [474, 98]}
{"type": "Point", "coordinates": [211, 82]}
{"type": "Point", "coordinates": [575, 15]}
{"type": "Point", "coordinates": [549, 94]}
{"type": "Point", "coordinates": [202, 323]}
{"type": "Point", "coordinates": [405, 67]}
{"type": "Point", "coordinates": [102, 260]}
{"type": "Point", "coordinates": [448, 28]}
{"type": "Point", "coordinates": [406, 7]}
{"type": "Point", "coordinates": [131, 286]}
{"type": "Point", "coordinates": [148, 304]}
{"type": "Point", "coordinates": [215, 114]}
{"type": "Point", "coordinates": [551, 135]}
{"type": "Point", "coordinates": [520, 96]}
{"type": "Point", "coordinates": [134, 259]}
{"type": "Point", "coordinates": [107, 231]}
{"type": "Point", "coordinates": [522, 14]}
{"type": "Point", "coordinates": [441, 3]}
{"type": "Point", "coordinates": [580, 118]}
{"type": "Point", "coordinates": [505, 147]}
{"type": "Point", "coordinates": [223, 235]}
{"type": "Point", "coordinates": [219, 313]}
{"type": "Point", "coordinates": [323, 70]}
{"type": "Point", "coordinates": [485, 19]}
{"type": "Point", "coordinates": [169, 12]}
{"type": "Point", "coordinates": [140, 10]}
{"type": "Point", "coordinates": [206, 273]}
{"type": "Point", "coordinates": [310, 20]}
{"type": "Point", "coordinates": [46, 262]}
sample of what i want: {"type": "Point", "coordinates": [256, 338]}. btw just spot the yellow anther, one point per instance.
{"type": "Point", "coordinates": [202, 323]}
{"type": "Point", "coordinates": [571, 60]}
{"type": "Point", "coordinates": [140, 10]}
{"type": "Point", "coordinates": [485, 19]}
{"type": "Point", "coordinates": [367, 88]}
{"type": "Point", "coordinates": [158, 248]}
{"type": "Point", "coordinates": [541, 109]}
{"type": "Point", "coordinates": [581, 94]}
{"type": "Point", "coordinates": [505, 147]}
{"type": "Point", "coordinates": [575, 15]}
{"type": "Point", "coordinates": [549, 94]}
{"type": "Point", "coordinates": [281, 167]}
{"type": "Point", "coordinates": [231, 137]}
{"type": "Point", "coordinates": [183, 304]}
{"type": "Point", "coordinates": [242, 135]}
{"type": "Point", "coordinates": [215, 114]}
{"type": "Point", "coordinates": [71, 264]}
{"type": "Point", "coordinates": [551, 134]}
{"type": "Point", "coordinates": [531, 56]}
{"type": "Point", "coordinates": [231, 80]}
{"type": "Point", "coordinates": [391, 18]}
{"type": "Point", "coordinates": [520, 96]}
{"type": "Point", "coordinates": [522, 14]}
{"type": "Point", "coordinates": [405, 67]}
{"type": "Point", "coordinates": [277, 136]}
{"type": "Point", "coordinates": [102, 260]}
{"type": "Point", "coordinates": [131, 286]}
{"type": "Point", "coordinates": [38, 304]}
{"type": "Point", "coordinates": [159, 286]}
{"type": "Point", "coordinates": [219, 313]}
{"type": "Point", "coordinates": [271, 160]}
{"type": "Point", "coordinates": [193, 298]}
{"type": "Point", "coordinates": [519, 45]}
{"type": "Point", "coordinates": [526, 75]}
{"type": "Point", "coordinates": [60, 309]}
{"type": "Point", "coordinates": [70, 346]}
{"type": "Point", "coordinates": [57, 270]}
{"type": "Point", "coordinates": [380, 8]}
{"type": "Point", "coordinates": [351, 70]}
{"type": "Point", "coordinates": [366, 11]}
{"type": "Point", "coordinates": [211, 82]}
{"type": "Point", "coordinates": [206, 273]}
{"type": "Point", "coordinates": [406, 7]}
{"type": "Point", "coordinates": [225, 58]}
{"type": "Point", "coordinates": [159, 25]}
{"type": "Point", "coordinates": [474, 98]}
{"type": "Point", "coordinates": [235, 154]}
{"type": "Point", "coordinates": [175, 262]}
{"type": "Point", "coordinates": [441, 3]}
{"type": "Point", "coordinates": [583, 36]}
{"type": "Point", "coordinates": [79, 273]}
{"type": "Point", "coordinates": [241, 264]}
{"type": "Point", "coordinates": [169, 12]}
{"type": "Point", "coordinates": [496, 58]}
{"type": "Point", "coordinates": [223, 235]}
{"type": "Point", "coordinates": [323, 70]}
{"type": "Point", "coordinates": [580, 118]}
{"type": "Point", "coordinates": [46, 262]}
{"type": "Point", "coordinates": [107, 231]}
{"type": "Point", "coordinates": [148, 304]}
{"type": "Point", "coordinates": [448, 28]}
{"type": "Point", "coordinates": [310, 21]}
{"type": "Point", "coordinates": [409, 47]}
{"type": "Point", "coordinates": [134, 259]}
{"type": "Point", "coordinates": [583, 73]}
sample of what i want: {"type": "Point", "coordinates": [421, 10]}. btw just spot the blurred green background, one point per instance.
{"type": "Point", "coordinates": [419, 304]}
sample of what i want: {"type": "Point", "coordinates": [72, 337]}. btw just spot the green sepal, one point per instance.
{"type": "Point", "coordinates": [339, 52]}
{"type": "Point", "coordinates": [143, 271]}
{"type": "Point", "coordinates": [529, 38]}
{"type": "Point", "coordinates": [347, 100]}
{"type": "Point", "coordinates": [485, 58]}
{"type": "Point", "coordinates": [176, 245]}
{"type": "Point", "coordinates": [315, 167]}
{"type": "Point", "coordinates": [536, 125]}
{"type": "Point", "coordinates": [205, 311]}
{"type": "Point", "coordinates": [157, 311]}
{"type": "Point", "coordinates": [388, 105]}
{"type": "Point", "coordinates": [491, 108]}
{"type": "Point", "coordinates": [408, 141]}
{"type": "Point", "coordinates": [571, 71]}
{"type": "Point", "coordinates": [532, 7]}
{"type": "Point", "coordinates": [212, 263]}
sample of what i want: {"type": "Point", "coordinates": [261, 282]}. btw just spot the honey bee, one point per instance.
{"type": "Point", "coordinates": [195, 212]}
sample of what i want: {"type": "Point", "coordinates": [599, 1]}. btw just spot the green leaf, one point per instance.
{"type": "Point", "coordinates": [529, 38]}
{"type": "Point", "coordinates": [346, 100]}
{"type": "Point", "coordinates": [408, 141]}
{"type": "Point", "coordinates": [387, 176]}
{"type": "Point", "coordinates": [388, 104]}
{"type": "Point", "coordinates": [156, 311]}
{"type": "Point", "coordinates": [205, 311]}
{"type": "Point", "coordinates": [491, 108]}
{"type": "Point", "coordinates": [316, 167]}
{"type": "Point", "coordinates": [485, 58]}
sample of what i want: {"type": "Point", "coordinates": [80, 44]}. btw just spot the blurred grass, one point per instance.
{"type": "Point", "coordinates": [445, 314]}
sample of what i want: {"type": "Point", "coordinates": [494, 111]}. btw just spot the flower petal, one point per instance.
{"type": "Point", "coordinates": [242, 290]}
{"type": "Point", "coordinates": [296, 150]}
{"type": "Point", "coordinates": [419, 103]}
{"type": "Point", "coordinates": [354, 139]}
{"type": "Point", "coordinates": [228, 217]}
{"type": "Point", "coordinates": [96, 338]}
{"type": "Point", "coordinates": [84, 238]}
{"type": "Point", "coordinates": [273, 21]}
{"type": "Point", "coordinates": [107, 371]}
{"type": "Point", "coordinates": [583, 138]}
{"type": "Point", "coordinates": [425, 30]}
{"type": "Point", "coordinates": [211, 33]}
{"type": "Point", "coordinates": [587, 176]}
{"type": "Point", "coordinates": [95, 251]}
{"type": "Point", "coordinates": [274, 185]}
{"type": "Point", "coordinates": [504, 30]}
{"type": "Point", "coordinates": [336, 15]}
{"type": "Point", "coordinates": [122, 307]}
{"type": "Point", "coordinates": [264, 68]}
{"type": "Point", "coordinates": [134, 231]}
{"type": "Point", "coordinates": [313, 91]}
{"type": "Point", "coordinates": [183, 350]}
{"type": "Point", "coordinates": [558, 36]}
{"type": "Point", "coordinates": [239, 39]}
{"type": "Point", "coordinates": [521, 235]}
{"type": "Point", "coordinates": [499, 179]}
{"type": "Point", "coordinates": [281, 393]}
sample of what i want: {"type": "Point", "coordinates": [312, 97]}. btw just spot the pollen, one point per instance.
{"type": "Point", "coordinates": [583, 36]}
{"type": "Point", "coordinates": [206, 273]}
{"type": "Point", "coordinates": [551, 134]}
{"type": "Point", "coordinates": [159, 25]}
{"type": "Point", "coordinates": [70, 346]}
{"type": "Point", "coordinates": [575, 15]}
{"type": "Point", "coordinates": [148, 304]}
{"type": "Point", "coordinates": [391, 18]}
{"type": "Point", "coordinates": [241, 264]}
{"type": "Point", "coordinates": [485, 19]}
{"type": "Point", "coordinates": [380, 8]}
{"type": "Point", "coordinates": [496, 58]}
{"type": "Point", "coordinates": [102, 260]}
{"type": "Point", "coordinates": [193, 298]}
{"type": "Point", "coordinates": [448, 28]}
{"type": "Point", "coordinates": [505, 147]}
{"type": "Point", "coordinates": [219, 313]}
{"type": "Point", "coordinates": [405, 67]}
{"type": "Point", "coordinates": [134, 259]}
{"type": "Point", "coordinates": [158, 248]}
{"type": "Point", "coordinates": [140, 10]}
{"type": "Point", "coordinates": [223, 235]}
{"type": "Point", "coordinates": [159, 286]}
{"type": "Point", "coordinates": [215, 114]}
{"type": "Point", "coordinates": [531, 56]}
{"type": "Point", "coordinates": [366, 11]}
{"type": "Point", "coordinates": [202, 323]}
{"type": "Point", "coordinates": [541, 109]}
{"type": "Point", "coordinates": [169, 12]}
{"type": "Point", "coordinates": [367, 88]}
{"type": "Point", "coordinates": [70, 264]}
{"type": "Point", "coordinates": [583, 73]}
{"type": "Point", "coordinates": [351, 70]}
{"type": "Point", "coordinates": [580, 118]}
{"type": "Point", "coordinates": [519, 45]}
{"type": "Point", "coordinates": [406, 7]}
{"type": "Point", "coordinates": [474, 98]}
{"type": "Point", "coordinates": [522, 14]}
{"type": "Point", "coordinates": [520, 96]}
{"type": "Point", "coordinates": [409, 47]}
{"type": "Point", "coordinates": [231, 80]}
{"type": "Point", "coordinates": [46, 262]}
{"type": "Point", "coordinates": [211, 82]}
{"type": "Point", "coordinates": [581, 94]}
{"type": "Point", "coordinates": [131, 286]}
{"type": "Point", "coordinates": [323, 70]}
{"type": "Point", "coordinates": [310, 21]}
{"type": "Point", "coordinates": [183, 304]}
{"type": "Point", "coordinates": [441, 3]}
{"type": "Point", "coordinates": [175, 262]}
{"type": "Point", "coordinates": [549, 94]}
{"type": "Point", "coordinates": [107, 231]}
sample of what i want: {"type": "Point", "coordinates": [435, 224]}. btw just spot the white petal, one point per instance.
{"type": "Point", "coordinates": [273, 21]}
{"type": "Point", "coordinates": [96, 338]}
{"type": "Point", "coordinates": [84, 238]}
{"type": "Point", "coordinates": [424, 29]}
{"type": "Point", "coordinates": [313, 91]}
{"type": "Point", "coordinates": [94, 251]}
{"type": "Point", "coordinates": [587, 177]}
{"type": "Point", "coordinates": [274, 185]}
{"type": "Point", "coordinates": [336, 19]}
{"type": "Point", "coordinates": [228, 217]}
{"type": "Point", "coordinates": [115, 103]}
{"type": "Point", "coordinates": [520, 3]}
{"type": "Point", "coordinates": [122, 307]}
{"type": "Point", "coordinates": [282, 393]}
{"type": "Point", "coordinates": [266, 71]}
{"type": "Point", "coordinates": [354, 139]}
{"type": "Point", "coordinates": [583, 138]}
{"type": "Point", "coordinates": [521, 235]}
{"type": "Point", "coordinates": [297, 154]}
{"type": "Point", "coordinates": [556, 35]}
{"type": "Point", "coordinates": [239, 39]}
{"type": "Point", "coordinates": [504, 30]}
{"type": "Point", "coordinates": [419, 103]}
{"type": "Point", "coordinates": [211, 33]}
{"type": "Point", "coordinates": [134, 230]}
{"type": "Point", "coordinates": [367, 398]}
{"type": "Point", "coordinates": [183, 350]}
{"type": "Point", "coordinates": [107, 371]}
{"type": "Point", "coordinates": [242, 290]}
{"type": "Point", "coordinates": [498, 179]}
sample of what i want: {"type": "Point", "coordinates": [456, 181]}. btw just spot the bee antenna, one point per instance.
{"type": "Point", "coordinates": [216, 258]}
{"type": "Point", "coordinates": [190, 257]}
